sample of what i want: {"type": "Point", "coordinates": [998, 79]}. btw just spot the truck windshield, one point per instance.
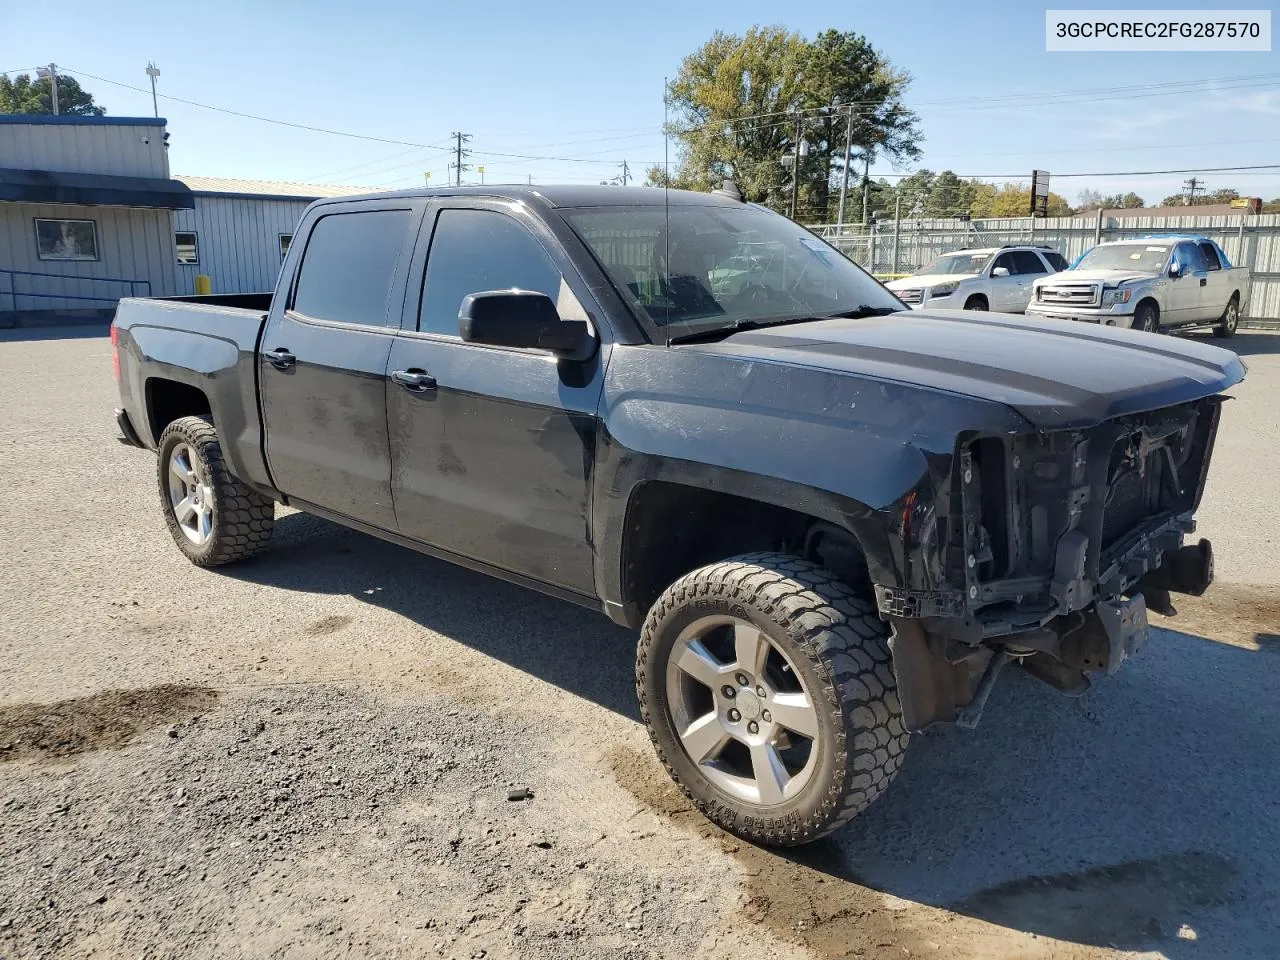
{"type": "Point", "coordinates": [696, 269]}
{"type": "Point", "coordinates": [1138, 257]}
{"type": "Point", "coordinates": [958, 263]}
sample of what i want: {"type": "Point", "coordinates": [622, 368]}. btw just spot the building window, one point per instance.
{"type": "Point", "coordinates": [285, 240]}
{"type": "Point", "coordinates": [188, 247]}
{"type": "Point", "coordinates": [66, 239]}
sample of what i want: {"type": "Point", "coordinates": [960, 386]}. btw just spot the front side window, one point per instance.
{"type": "Point", "coordinates": [474, 251]}
{"type": "Point", "coordinates": [66, 239]}
{"type": "Point", "coordinates": [1188, 258]}
{"type": "Point", "coordinates": [349, 264]}
{"type": "Point", "coordinates": [187, 247]}
{"type": "Point", "coordinates": [710, 267]}
{"type": "Point", "coordinates": [1005, 260]}
{"type": "Point", "coordinates": [285, 240]}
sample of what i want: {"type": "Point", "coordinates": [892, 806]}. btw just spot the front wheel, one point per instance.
{"type": "Point", "coordinates": [1230, 320]}
{"type": "Point", "coordinates": [768, 689]}
{"type": "Point", "coordinates": [213, 517]}
{"type": "Point", "coordinates": [976, 302]}
{"type": "Point", "coordinates": [1146, 318]}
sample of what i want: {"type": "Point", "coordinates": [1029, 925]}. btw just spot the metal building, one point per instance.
{"type": "Point", "coordinates": [86, 213]}
{"type": "Point", "coordinates": [239, 230]}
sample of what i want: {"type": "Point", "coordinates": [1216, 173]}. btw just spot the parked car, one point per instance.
{"type": "Point", "coordinates": [833, 522]}
{"type": "Point", "coordinates": [994, 278]}
{"type": "Point", "coordinates": [1152, 283]}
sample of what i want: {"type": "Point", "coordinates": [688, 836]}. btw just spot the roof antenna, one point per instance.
{"type": "Point", "coordinates": [666, 203]}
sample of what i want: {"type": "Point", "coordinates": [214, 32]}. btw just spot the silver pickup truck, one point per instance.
{"type": "Point", "coordinates": [1151, 283]}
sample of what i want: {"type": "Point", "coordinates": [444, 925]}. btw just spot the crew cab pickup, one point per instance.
{"type": "Point", "coordinates": [1156, 283]}
{"type": "Point", "coordinates": [833, 520]}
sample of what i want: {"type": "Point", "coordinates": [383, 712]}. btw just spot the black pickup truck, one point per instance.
{"type": "Point", "coordinates": [832, 519]}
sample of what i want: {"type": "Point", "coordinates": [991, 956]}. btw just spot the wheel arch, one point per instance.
{"type": "Point", "coordinates": [167, 400]}
{"type": "Point", "coordinates": [672, 526]}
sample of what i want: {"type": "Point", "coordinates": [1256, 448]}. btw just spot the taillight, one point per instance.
{"type": "Point", "coordinates": [115, 351]}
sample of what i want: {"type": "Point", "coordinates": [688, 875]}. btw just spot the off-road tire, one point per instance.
{"type": "Point", "coordinates": [977, 302]}
{"type": "Point", "coordinates": [1146, 318]}
{"type": "Point", "coordinates": [242, 518]}
{"type": "Point", "coordinates": [839, 646]}
{"type": "Point", "coordinates": [1230, 319]}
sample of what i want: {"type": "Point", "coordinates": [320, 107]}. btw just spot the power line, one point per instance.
{"type": "Point", "coordinates": [252, 116]}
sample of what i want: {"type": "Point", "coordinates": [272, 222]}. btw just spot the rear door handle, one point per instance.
{"type": "Point", "coordinates": [1204, 281]}
{"type": "Point", "coordinates": [281, 358]}
{"type": "Point", "coordinates": [414, 380]}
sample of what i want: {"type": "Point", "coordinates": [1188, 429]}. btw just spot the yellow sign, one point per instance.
{"type": "Point", "coordinates": [1240, 203]}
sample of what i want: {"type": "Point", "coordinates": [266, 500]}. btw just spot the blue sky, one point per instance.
{"type": "Point", "coordinates": [584, 80]}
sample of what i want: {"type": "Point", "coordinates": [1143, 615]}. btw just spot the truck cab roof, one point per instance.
{"type": "Point", "coordinates": [558, 196]}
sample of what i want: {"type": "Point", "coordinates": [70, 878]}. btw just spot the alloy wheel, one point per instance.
{"type": "Point", "coordinates": [190, 494]}
{"type": "Point", "coordinates": [741, 711]}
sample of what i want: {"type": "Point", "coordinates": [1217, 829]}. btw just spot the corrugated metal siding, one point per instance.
{"type": "Point", "coordinates": [1249, 241]}
{"type": "Point", "coordinates": [133, 244]}
{"type": "Point", "coordinates": [239, 241]}
{"type": "Point", "coordinates": [115, 149]}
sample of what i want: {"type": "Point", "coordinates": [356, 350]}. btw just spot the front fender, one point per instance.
{"type": "Point", "coordinates": [841, 448]}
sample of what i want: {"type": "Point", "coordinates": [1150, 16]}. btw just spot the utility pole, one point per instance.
{"type": "Point", "coordinates": [153, 71]}
{"type": "Point", "coordinates": [795, 167]}
{"type": "Point", "coordinates": [1192, 185]}
{"type": "Point", "coordinates": [844, 183]}
{"type": "Point", "coordinates": [460, 152]}
{"type": "Point", "coordinates": [51, 72]}
{"type": "Point", "coordinates": [626, 173]}
{"type": "Point", "coordinates": [866, 185]}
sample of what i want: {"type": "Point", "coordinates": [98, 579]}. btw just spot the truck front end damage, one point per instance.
{"type": "Point", "coordinates": [1047, 549]}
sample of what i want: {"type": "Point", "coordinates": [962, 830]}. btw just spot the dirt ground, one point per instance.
{"type": "Point", "coordinates": [309, 755]}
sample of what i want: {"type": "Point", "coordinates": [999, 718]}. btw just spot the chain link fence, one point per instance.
{"type": "Point", "coordinates": [895, 248]}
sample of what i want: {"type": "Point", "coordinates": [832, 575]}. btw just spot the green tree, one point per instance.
{"type": "Point", "coordinates": [736, 101]}
{"type": "Point", "coordinates": [1014, 200]}
{"type": "Point", "coordinates": [24, 95]}
{"type": "Point", "coordinates": [1271, 206]}
{"type": "Point", "coordinates": [949, 196]}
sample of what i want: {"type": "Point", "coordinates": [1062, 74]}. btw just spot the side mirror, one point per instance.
{"type": "Point", "coordinates": [1175, 270]}
{"type": "Point", "coordinates": [1000, 272]}
{"type": "Point", "coordinates": [522, 318]}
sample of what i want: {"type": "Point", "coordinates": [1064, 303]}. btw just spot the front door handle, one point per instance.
{"type": "Point", "coordinates": [281, 358]}
{"type": "Point", "coordinates": [414, 380]}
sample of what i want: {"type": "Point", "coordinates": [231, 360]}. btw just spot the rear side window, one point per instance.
{"type": "Point", "coordinates": [1210, 255]}
{"type": "Point", "coordinates": [1056, 260]}
{"type": "Point", "coordinates": [1028, 262]}
{"type": "Point", "coordinates": [477, 250]}
{"type": "Point", "coordinates": [348, 266]}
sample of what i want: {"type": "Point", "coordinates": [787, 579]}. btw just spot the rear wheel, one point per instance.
{"type": "Point", "coordinates": [213, 517]}
{"type": "Point", "coordinates": [1147, 318]}
{"type": "Point", "coordinates": [1230, 319]}
{"type": "Point", "coordinates": [976, 302]}
{"type": "Point", "coordinates": [768, 690]}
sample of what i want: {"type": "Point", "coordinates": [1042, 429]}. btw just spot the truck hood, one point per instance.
{"type": "Point", "coordinates": [1056, 374]}
{"type": "Point", "coordinates": [927, 280]}
{"type": "Point", "coordinates": [1109, 277]}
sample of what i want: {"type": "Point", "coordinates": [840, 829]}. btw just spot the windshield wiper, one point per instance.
{"type": "Point", "coordinates": [759, 323]}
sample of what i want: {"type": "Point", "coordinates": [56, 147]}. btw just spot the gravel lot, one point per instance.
{"type": "Point", "coordinates": [309, 755]}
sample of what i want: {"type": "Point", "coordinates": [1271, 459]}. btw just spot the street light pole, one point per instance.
{"type": "Point", "coordinates": [153, 71]}
{"type": "Point", "coordinates": [795, 168]}
{"type": "Point", "coordinates": [844, 183]}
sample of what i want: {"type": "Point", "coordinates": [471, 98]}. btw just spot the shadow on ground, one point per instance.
{"type": "Point", "coordinates": [1143, 815]}
{"type": "Point", "coordinates": [1246, 343]}
{"type": "Point", "coordinates": [73, 331]}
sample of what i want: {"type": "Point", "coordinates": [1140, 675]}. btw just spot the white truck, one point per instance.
{"type": "Point", "coordinates": [1152, 283]}
{"type": "Point", "coordinates": [992, 278]}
